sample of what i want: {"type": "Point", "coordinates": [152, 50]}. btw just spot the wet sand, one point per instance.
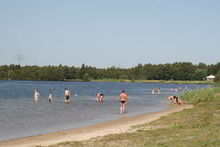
{"type": "Point", "coordinates": [101, 129]}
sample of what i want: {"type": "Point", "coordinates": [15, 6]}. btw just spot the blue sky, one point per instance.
{"type": "Point", "coordinates": [103, 33]}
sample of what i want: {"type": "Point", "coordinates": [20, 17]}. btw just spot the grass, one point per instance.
{"type": "Point", "coordinates": [217, 84]}
{"type": "Point", "coordinates": [201, 95]}
{"type": "Point", "coordinates": [196, 127]}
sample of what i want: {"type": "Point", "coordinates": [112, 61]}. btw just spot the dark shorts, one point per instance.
{"type": "Point", "coordinates": [67, 97]}
{"type": "Point", "coordinates": [122, 102]}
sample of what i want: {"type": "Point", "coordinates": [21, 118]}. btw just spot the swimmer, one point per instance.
{"type": "Point", "coordinates": [66, 96]}
{"type": "Point", "coordinates": [152, 91]}
{"type": "Point", "coordinates": [123, 99]}
{"type": "Point", "coordinates": [35, 95]}
{"type": "Point", "coordinates": [174, 100]}
{"type": "Point", "coordinates": [99, 97]}
{"type": "Point", "coordinates": [178, 101]}
{"type": "Point", "coordinates": [156, 91]}
{"type": "Point", "coordinates": [170, 99]}
{"type": "Point", "coordinates": [50, 99]}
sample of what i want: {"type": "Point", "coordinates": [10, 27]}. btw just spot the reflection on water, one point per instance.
{"type": "Point", "coordinates": [19, 116]}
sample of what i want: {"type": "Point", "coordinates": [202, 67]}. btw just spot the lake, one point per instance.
{"type": "Point", "coordinates": [20, 117]}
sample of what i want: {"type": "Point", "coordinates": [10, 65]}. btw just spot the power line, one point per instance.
{"type": "Point", "coordinates": [19, 57]}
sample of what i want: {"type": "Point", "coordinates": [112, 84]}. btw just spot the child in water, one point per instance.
{"type": "Point", "coordinates": [66, 96]}
{"type": "Point", "coordinates": [35, 95]}
{"type": "Point", "coordinates": [50, 99]}
{"type": "Point", "coordinates": [99, 97]}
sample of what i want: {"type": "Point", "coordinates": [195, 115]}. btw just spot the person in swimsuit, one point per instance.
{"type": "Point", "coordinates": [123, 100]}
{"type": "Point", "coordinates": [50, 99]}
{"type": "Point", "coordinates": [174, 100]}
{"type": "Point", "coordinates": [66, 96]}
{"type": "Point", "coordinates": [35, 95]}
{"type": "Point", "coordinates": [170, 99]}
{"type": "Point", "coordinates": [99, 97]}
{"type": "Point", "coordinates": [153, 91]}
{"type": "Point", "coordinates": [178, 101]}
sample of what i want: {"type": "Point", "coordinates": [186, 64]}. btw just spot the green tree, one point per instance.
{"type": "Point", "coordinates": [86, 77]}
{"type": "Point", "coordinates": [217, 77]}
{"type": "Point", "coordinates": [124, 76]}
{"type": "Point", "coordinates": [11, 75]}
{"type": "Point", "coordinates": [82, 71]}
{"type": "Point", "coordinates": [200, 74]}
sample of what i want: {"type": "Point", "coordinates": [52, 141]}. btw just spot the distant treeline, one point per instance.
{"type": "Point", "coordinates": [175, 71]}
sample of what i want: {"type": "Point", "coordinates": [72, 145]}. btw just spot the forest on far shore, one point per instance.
{"type": "Point", "coordinates": [176, 71]}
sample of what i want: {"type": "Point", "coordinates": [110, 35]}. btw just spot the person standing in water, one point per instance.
{"type": "Point", "coordinates": [35, 95]}
{"type": "Point", "coordinates": [50, 99]}
{"type": "Point", "coordinates": [99, 97]}
{"type": "Point", "coordinates": [66, 96]}
{"type": "Point", "coordinates": [123, 99]}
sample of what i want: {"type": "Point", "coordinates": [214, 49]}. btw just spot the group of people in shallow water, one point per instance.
{"type": "Point", "coordinates": [100, 98]}
{"type": "Point", "coordinates": [123, 99]}
{"type": "Point", "coordinates": [178, 89]}
{"type": "Point", "coordinates": [157, 90]}
{"type": "Point", "coordinates": [67, 94]}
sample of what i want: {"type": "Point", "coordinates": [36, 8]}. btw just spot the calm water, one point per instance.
{"type": "Point", "coordinates": [20, 117]}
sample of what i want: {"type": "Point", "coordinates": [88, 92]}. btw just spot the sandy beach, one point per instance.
{"type": "Point", "coordinates": [101, 129]}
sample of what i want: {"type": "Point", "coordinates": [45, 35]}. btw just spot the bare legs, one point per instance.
{"type": "Point", "coordinates": [122, 107]}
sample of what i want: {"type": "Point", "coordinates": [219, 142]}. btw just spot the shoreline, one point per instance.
{"type": "Point", "coordinates": [117, 126]}
{"type": "Point", "coordinates": [142, 81]}
{"type": "Point", "coordinates": [129, 81]}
